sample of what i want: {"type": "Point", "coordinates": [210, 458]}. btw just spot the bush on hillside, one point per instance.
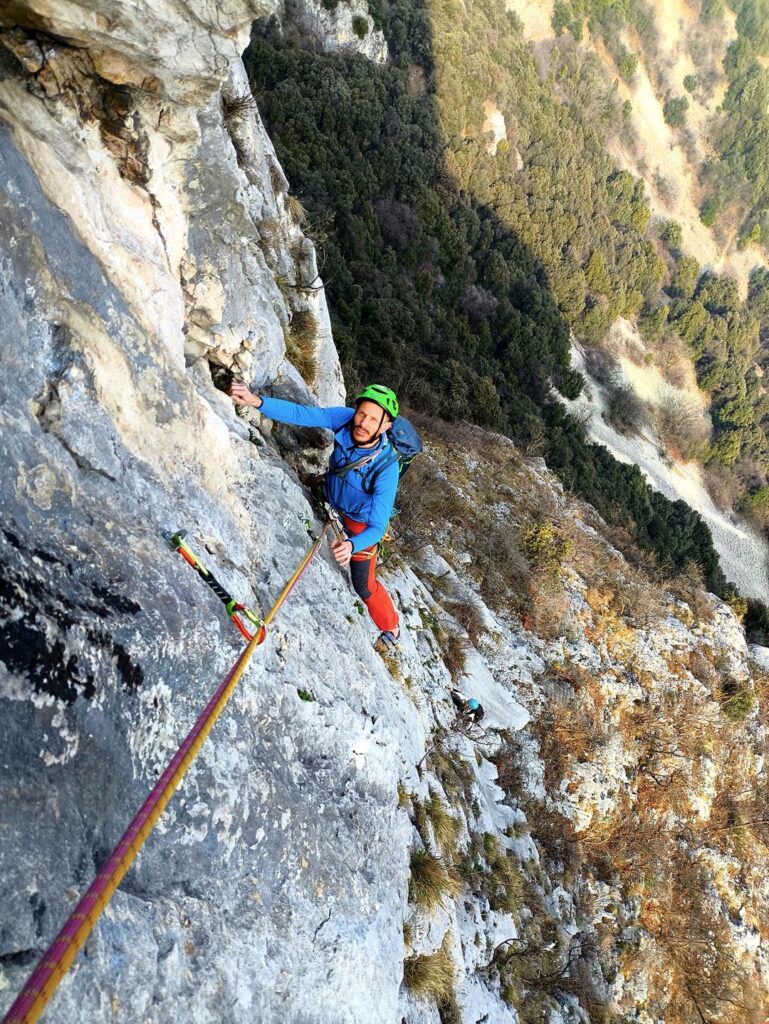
{"type": "Point", "coordinates": [624, 409]}
{"type": "Point", "coordinates": [756, 505]}
{"type": "Point", "coordinates": [628, 65]}
{"type": "Point", "coordinates": [681, 427]}
{"type": "Point", "coordinates": [737, 700]}
{"type": "Point", "coordinates": [709, 211]}
{"type": "Point", "coordinates": [674, 111]}
{"type": "Point", "coordinates": [671, 234]}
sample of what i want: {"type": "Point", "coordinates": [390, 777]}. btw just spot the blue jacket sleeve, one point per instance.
{"type": "Point", "coordinates": [305, 415]}
{"type": "Point", "coordinates": [380, 513]}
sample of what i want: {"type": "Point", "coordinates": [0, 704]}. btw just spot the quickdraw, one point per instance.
{"type": "Point", "coordinates": [233, 608]}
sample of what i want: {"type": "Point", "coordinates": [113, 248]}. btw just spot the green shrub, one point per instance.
{"type": "Point", "coordinates": [671, 234]}
{"type": "Point", "coordinates": [712, 10]}
{"type": "Point", "coordinates": [752, 237]}
{"type": "Point", "coordinates": [757, 622]}
{"type": "Point", "coordinates": [736, 601]}
{"type": "Point", "coordinates": [674, 111]}
{"type": "Point", "coordinates": [561, 17]}
{"type": "Point", "coordinates": [691, 83]}
{"type": "Point", "coordinates": [756, 505]}
{"type": "Point", "coordinates": [545, 546]}
{"type": "Point", "coordinates": [737, 700]}
{"type": "Point", "coordinates": [684, 280]}
{"type": "Point", "coordinates": [709, 211]}
{"type": "Point", "coordinates": [652, 321]}
{"type": "Point", "coordinates": [628, 66]}
{"type": "Point", "coordinates": [360, 26]}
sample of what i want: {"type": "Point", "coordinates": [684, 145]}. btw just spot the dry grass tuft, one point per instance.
{"type": "Point", "coordinates": [470, 617]}
{"type": "Point", "coordinates": [427, 501]}
{"type": "Point", "coordinates": [431, 881]}
{"type": "Point", "coordinates": [502, 571]}
{"type": "Point", "coordinates": [393, 666]}
{"type": "Point", "coordinates": [237, 107]}
{"type": "Point", "coordinates": [688, 586]}
{"type": "Point", "coordinates": [547, 612]}
{"type": "Point", "coordinates": [431, 977]}
{"type": "Point", "coordinates": [455, 655]}
{"type": "Point", "coordinates": [566, 733]}
{"type": "Point", "coordinates": [269, 235]}
{"type": "Point", "coordinates": [456, 775]}
{"type": "Point", "coordinates": [296, 209]}
{"type": "Point", "coordinates": [446, 828]}
{"type": "Point", "coordinates": [300, 344]}
{"type": "Point", "coordinates": [504, 885]}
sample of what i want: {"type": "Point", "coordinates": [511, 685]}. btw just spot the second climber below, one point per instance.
{"type": "Point", "coordinates": [361, 484]}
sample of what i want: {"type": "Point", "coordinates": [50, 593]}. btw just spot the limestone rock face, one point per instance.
{"type": "Point", "coordinates": [142, 130]}
{"type": "Point", "coordinates": [150, 243]}
{"type": "Point", "coordinates": [340, 28]}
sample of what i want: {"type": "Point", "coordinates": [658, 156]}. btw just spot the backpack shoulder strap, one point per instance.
{"type": "Point", "coordinates": [376, 472]}
{"type": "Point", "coordinates": [344, 470]}
{"type": "Point", "coordinates": [356, 463]}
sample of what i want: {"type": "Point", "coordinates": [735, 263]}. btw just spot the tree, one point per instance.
{"type": "Point", "coordinates": [674, 111]}
{"type": "Point", "coordinates": [684, 280]}
{"type": "Point", "coordinates": [671, 234]}
{"type": "Point", "coordinates": [709, 211]}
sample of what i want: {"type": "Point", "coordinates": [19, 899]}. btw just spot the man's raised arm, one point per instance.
{"type": "Point", "coordinates": [278, 409]}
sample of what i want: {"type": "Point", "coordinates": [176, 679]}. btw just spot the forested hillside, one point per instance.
{"type": "Point", "coordinates": [457, 264]}
{"type": "Point", "coordinates": [721, 329]}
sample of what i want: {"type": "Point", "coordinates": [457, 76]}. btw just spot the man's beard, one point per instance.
{"type": "Point", "coordinates": [362, 436]}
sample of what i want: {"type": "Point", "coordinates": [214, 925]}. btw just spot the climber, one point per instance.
{"type": "Point", "coordinates": [469, 708]}
{"type": "Point", "coordinates": [360, 485]}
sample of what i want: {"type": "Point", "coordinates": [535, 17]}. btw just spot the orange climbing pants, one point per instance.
{"type": "Point", "coordinates": [366, 585]}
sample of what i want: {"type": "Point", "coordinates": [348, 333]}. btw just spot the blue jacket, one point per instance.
{"type": "Point", "coordinates": [346, 493]}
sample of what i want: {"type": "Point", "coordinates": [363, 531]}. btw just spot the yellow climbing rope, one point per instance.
{"type": "Point", "coordinates": [59, 956]}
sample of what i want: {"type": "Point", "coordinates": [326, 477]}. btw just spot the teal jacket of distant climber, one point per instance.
{"type": "Point", "coordinates": [349, 493]}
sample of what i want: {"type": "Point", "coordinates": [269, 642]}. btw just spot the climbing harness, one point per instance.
{"type": "Point", "coordinates": [59, 956]}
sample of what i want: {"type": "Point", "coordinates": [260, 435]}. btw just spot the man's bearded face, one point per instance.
{"type": "Point", "coordinates": [369, 423]}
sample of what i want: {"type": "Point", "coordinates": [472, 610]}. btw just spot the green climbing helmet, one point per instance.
{"type": "Point", "coordinates": [382, 396]}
